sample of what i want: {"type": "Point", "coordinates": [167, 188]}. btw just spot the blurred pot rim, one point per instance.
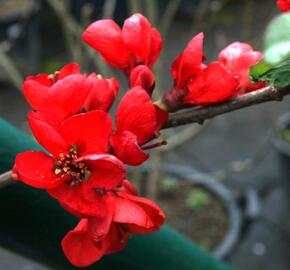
{"type": "Point", "coordinates": [224, 248]}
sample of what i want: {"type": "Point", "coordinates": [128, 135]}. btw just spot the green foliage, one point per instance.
{"type": "Point", "coordinates": [277, 40]}
{"type": "Point", "coordinates": [259, 69]}
{"type": "Point", "coordinates": [279, 76]}
{"type": "Point", "coordinates": [169, 183]}
{"type": "Point", "coordinates": [197, 198]}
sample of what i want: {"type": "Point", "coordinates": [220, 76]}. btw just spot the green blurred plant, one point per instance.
{"type": "Point", "coordinates": [198, 197]}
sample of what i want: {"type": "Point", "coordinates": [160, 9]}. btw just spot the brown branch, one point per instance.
{"type": "Point", "coordinates": [5, 179]}
{"type": "Point", "coordinates": [200, 114]}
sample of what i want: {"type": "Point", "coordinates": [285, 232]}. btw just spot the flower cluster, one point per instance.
{"type": "Point", "coordinates": [84, 162]}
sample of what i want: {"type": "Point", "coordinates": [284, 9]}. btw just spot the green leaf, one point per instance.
{"type": "Point", "coordinates": [277, 40]}
{"type": "Point", "coordinates": [258, 70]}
{"type": "Point", "coordinates": [278, 76]}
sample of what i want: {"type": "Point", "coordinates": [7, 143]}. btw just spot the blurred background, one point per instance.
{"type": "Point", "coordinates": [224, 183]}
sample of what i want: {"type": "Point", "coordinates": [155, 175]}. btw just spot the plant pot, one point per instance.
{"type": "Point", "coordinates": [181, 218]}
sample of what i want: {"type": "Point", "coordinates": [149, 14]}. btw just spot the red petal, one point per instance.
{"type": "Point", "coordinates": [88, 131]}
{"type": "Point", "coordinates": [161, 117]}
{"type": "Point", "coordinates": [188, 64]}
{"type": "Point", "coordinates": [47, 136]}
{"type": "Point", "coordinates": [106, 37]}
{"type": "Point", "coordinates": [137, 113]}
{"type": "Point", "coordinates": [51, 119]}
{"type": "Point", "coordinates": [126, 148]}
{"type": "Point", "coordinates": [128, 187]}
{"type": "Point", "coordinates": [80, 200]}
{"type": "Point", "coordinates": [67, 70]}
{"type": "Point", "coordinates": [102, 94]}
{"type": "Point", "coordinates": [36, 169]}
{"type": "Point", "coordinates": [41, 78]}
{"type": "Point", "coordinates": [156, 46]}
{"type": "Point", "coordinates": [214, 85]}
{"type": "Point", "coordinates": [35, 92]}
{"type": "Point", "coordinates": [80, 248]}
{"type": "Point", "coordinates": [137, 37]}
{"type": "Point", "coordinates": [117, 237]}
{"type": "Point", "coordinates": [238, 58]}
{"type": "Point", "coordinates": [144, 77]}
{"type": "Point", "coordinates": [67, 96]}
{"type": "Point", "coordinates": [107, 171]}
{"type": "Point", "coordinates": [138, 211]}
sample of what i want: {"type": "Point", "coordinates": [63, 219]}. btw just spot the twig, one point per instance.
{"type": "Point", "coordinates": [155, 176]}
{"type": "Point", "coordinates": [109, 9]}
{"type": "Point", "coordinates": [134, 6]}
{"type": "Point", "coordinates": [76, 30]}
{"type": "Point", "coordinates": [200, 114]}
{"type": "Point", "coordinates": [183, 136]}
{"type": "Point", "coordinates": [5, 179]}
{"type": "Point", "coordinates": [9, 67]}
{"type": "Point", "coordinates": [168, 16]}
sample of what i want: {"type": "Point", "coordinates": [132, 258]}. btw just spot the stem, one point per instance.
{"type": "Point", "coordinates": [5, 179]}
{"type": "Point", "coordinates": [200, 114]}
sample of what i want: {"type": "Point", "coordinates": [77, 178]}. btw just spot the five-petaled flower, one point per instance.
{"type": "Point", "coordinates": [78, 162]}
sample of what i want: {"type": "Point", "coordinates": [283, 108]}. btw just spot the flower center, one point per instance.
{"type": "Point", "coordinates": [76, 172]}
{"type": "Point", "coordinates": [53, 77]}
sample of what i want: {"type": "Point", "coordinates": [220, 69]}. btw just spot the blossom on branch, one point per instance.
{"type": "Point", "coordinates": [137, 43]}
{"type": "Point", "coordinates": [198, 84]}
{"type": "Point", "coordinates": [79, 168]}
{"type": "Point", "coordinates": [65, 93]}
{"type": "Point", "coordinates": [238, 58]}
{"type": "Point", "coordinates": [138, 121]}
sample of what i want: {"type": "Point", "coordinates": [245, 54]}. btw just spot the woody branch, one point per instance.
{"type": "Point", "coordinates": [200, 114]}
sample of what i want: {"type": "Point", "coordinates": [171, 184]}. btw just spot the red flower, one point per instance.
{"type": "Point", "coordinates": [195, 83]}
{"type": "Point", "coordinates": [102, 94]}
{"type": "Point", "coordinates": [238, 58]}
{"type": "Point", "coordinates": [57, 96]}
{"type": "Point", "coordinates": [78, 170]}
{"type": "Point", "coordinates": [214, 84]}
{"type": "Point", "coordinates": [136, 43]}
{"type": "Point", "coordinates": [284, 5]}
{"type": "Point", "coordinates": [65, 93]}
{"type": "Point", "coordinates": [144, 77]}
{"type": "Point", "coordinates": [95, 237]}
{"type": "Point", "coordinates": [138, 121]}
{"type": "Point", "coordinates": [189, 63]}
